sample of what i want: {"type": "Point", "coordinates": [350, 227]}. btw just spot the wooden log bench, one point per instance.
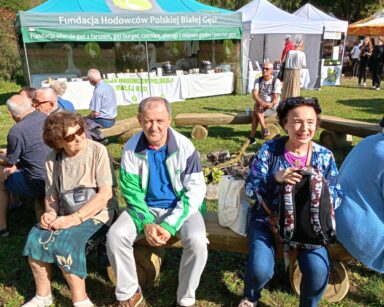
{"type": "Point", "coordinates": [338, 131]}
{"type": "Point", "coordinates": [201, 121]}
{"type": "Point", "coordinates": [149, 259]}
{"type": "Point", "coordinates": [122, 128]}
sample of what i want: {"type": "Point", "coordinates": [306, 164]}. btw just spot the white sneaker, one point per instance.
{"type": "Point", "coordinates": [39, 301]}
{"type": "Point", "coordinates": [364, 84]}
{"type": "Point", "coordinates": [377, 88]}
{"type": "Point", "coordinates": [246, 303]}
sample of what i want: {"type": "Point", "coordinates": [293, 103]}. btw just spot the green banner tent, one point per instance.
{"type": "Point", "coordinates": [126, 21]}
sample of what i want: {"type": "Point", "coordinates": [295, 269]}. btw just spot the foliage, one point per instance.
{"type": "Point", "coordinates": [19, 5]}
{"type": "Point", "coordinates": [9, 56]}
{"type": "Point", "coordinates": [212, 175]}
{"type": "Point", "coordinates": [351, 10]}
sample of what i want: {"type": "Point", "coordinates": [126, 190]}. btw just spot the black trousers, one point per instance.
{"type": "Point", "coordinates": [377, 68]}
{"type": "Point", "coordinates": [363, 69]}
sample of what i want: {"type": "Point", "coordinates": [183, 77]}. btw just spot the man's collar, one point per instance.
{"type": "Point", "coordinates": [143, 145]}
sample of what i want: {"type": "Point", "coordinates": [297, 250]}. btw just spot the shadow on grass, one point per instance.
{"type": "Point", "coordinates": [372, 106]}
{"type": "Point", "coordinates": [4, 97]}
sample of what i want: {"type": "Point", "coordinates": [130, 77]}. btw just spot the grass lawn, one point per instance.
{"type": "Point", "coordinates": [221, 283]}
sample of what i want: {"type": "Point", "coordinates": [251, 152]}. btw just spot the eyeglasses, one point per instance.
{"type": "Point", "coordinates": [267, 68]}
{"type": "Point", "coordinates": [36, 102]}
{"type": "Point", "coordinates": [71, 137]}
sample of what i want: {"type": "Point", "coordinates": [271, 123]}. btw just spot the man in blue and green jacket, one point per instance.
{"type": "Point", "coordinates": [163, 185]}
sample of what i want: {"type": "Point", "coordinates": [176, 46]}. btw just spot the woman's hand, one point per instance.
{"type": "Point", "coordinates": [46, 219]}
{"type": "Point", "coordinates": [64, 222]}
{"type": "Point", "coordinates": [289, 175]}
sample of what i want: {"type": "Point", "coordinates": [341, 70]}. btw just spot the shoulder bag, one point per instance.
{"type": "Point", "coordinates": [73, 200]}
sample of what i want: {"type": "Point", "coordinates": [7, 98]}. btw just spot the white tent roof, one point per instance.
{"type": "Point", "coordinates": [262, 17]}
{"type": "Point", "coordinates": [331, 24]}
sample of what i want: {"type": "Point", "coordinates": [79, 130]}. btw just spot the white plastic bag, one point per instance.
{"type": "Point", "coordinates": [233, 205]}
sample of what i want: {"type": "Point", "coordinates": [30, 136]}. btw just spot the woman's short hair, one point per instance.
{"type": "Point", "coordinates": [56, 127]}
{"type": "Point", "coordinates": [293, 102]}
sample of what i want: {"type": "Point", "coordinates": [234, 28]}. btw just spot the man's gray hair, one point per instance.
{"type": "Point", "coordinates": [18, 109]}
{"type": "Point", "coordinates": [59, 87]}
{"type": "Point", "coordinates": [48, 92]}
{"type": "Point", "coordinates": [94, 75]}
{"type": "Point", "coordinates": [147, 101]}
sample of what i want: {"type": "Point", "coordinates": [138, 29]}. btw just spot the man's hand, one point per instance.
{"type": "Point", "coordinates": [156, 235]}
{"type": "Point", "coordinates": [9, 171]}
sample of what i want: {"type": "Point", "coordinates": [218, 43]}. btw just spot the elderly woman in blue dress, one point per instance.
{"type": "Point", "coordinates": [79, 205]}
{"type": "Point", "coordinates": [278, 162]}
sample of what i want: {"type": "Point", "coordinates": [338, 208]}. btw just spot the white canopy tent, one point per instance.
{"type": "Point", "coordinates": [265, 27]}
{"type": "Point", "coordinates": [331, 24]}
{"type": "Point", "coordinates": [333, 28]}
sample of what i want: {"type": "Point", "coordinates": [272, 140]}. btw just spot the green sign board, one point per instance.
{"type": "Point", "coordinates": [40, 27]}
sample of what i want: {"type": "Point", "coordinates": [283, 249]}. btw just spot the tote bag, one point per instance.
{"type": "Point", "coordinates": [233, 205]}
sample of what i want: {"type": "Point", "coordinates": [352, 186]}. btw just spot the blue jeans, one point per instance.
{"type": "Point", "coordinates": [105, 123]}
{"type": "Point", "coordinates": [17, 183]}
{"type": "Point", "coordinates": [314, 264]}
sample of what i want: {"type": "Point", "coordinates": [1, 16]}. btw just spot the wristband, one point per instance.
{"type": "Point", "coordinates": [80, 216]}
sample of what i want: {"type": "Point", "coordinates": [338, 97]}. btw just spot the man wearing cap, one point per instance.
{"type": "Point", "coordinates": [359, 218]}
{"type": "Point", "coordinates": [266, 94]}
{"type": "Point", "coordinates": [22, 170]}
{"type": "Point", "coordinates": [288, 46]}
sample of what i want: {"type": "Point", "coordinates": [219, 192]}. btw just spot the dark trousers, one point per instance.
{"type": "Point", "coordinates": [363, 70]}
{"type": "Point", "coordinates": [355, 67]}
{"type": "Point", "coordinates": [377, 68]}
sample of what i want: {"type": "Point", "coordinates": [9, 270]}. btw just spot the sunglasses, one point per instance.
{"type": "Point", "coordinates": [294, 101]}
{"type": "Point", "coordinates": [71, 137]}
{"type": "Point", "coordinates": [36, 102]}
{"type": "Point", "coordinates": [266, 68]}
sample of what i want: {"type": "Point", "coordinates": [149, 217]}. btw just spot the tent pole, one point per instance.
{"type": "Point", "coordinates": [149, 78]}
{"type": "Point", "coordinates": [27, 62]}
{"type": "Point", "coordinates": [317, 84]}
{"type": "Point", "coordinates": [263, 49]}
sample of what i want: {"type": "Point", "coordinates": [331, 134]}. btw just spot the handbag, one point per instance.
{"type": "Point", "coordinates": [233, 205]}
{"type": "Point", "coordinates": [71, 201]}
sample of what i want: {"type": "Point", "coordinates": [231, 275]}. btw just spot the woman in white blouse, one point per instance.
{"type": "Point", "coordinates": [294, 62]}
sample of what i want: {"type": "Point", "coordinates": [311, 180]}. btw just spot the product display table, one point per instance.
{"type": "Point", "coordinates": [135, 87]}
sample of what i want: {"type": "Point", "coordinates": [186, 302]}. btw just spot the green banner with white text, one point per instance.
{"type": "Point", "coordinates": [42, 27]}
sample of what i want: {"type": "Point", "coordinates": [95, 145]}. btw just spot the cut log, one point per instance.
{"type": "Point", "coordinates": [348, 126]}
{"type": "Point", "coordinates": [127, 135]}
{"type": "Point", "coordinates": [148, 263]}
{"type": "Point", "coordinates": [216, 119]}
{"type": "Point", "coordinates": [120, 127]}
{"type": "Point", "coordinates": [333, 140]}
{"type": "Point", "coordinates": [338, 283]}
{"type": "Point", "coordinates": [224, 239]}
{"type": "Point", "coordinates": [199, 132]}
